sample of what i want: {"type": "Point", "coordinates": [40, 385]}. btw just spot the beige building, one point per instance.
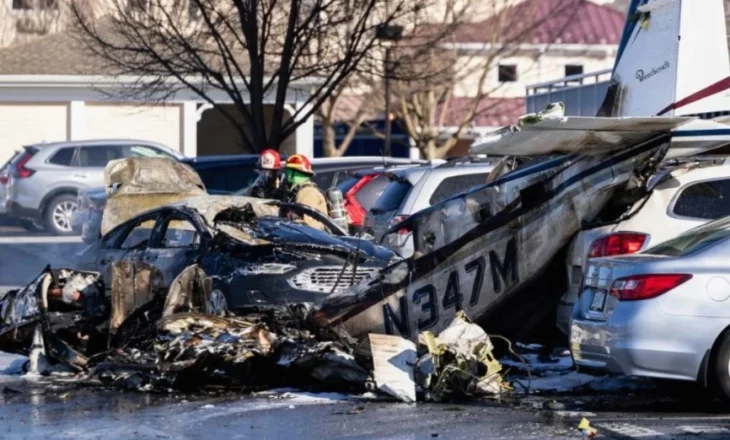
{"type": "Point", "coordinates": [578, 39]}
{"type": "Point", "coordinates": [52, 89]}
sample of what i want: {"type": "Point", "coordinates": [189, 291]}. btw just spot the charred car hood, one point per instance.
{"type": "Point", "coordinates": [135, 184]}
{"type": "Point", "coordinates": [282, 232]}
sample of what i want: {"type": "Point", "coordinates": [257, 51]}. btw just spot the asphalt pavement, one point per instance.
{"type": "Point", "coordinates": [23, 255]}
{"type": "Point", "coordinates": [35, 410]}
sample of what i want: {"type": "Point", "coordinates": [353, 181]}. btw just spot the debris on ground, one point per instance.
{"type": "Point", "coordinates": [586, 429]}
{"type": "Point", "coordinates": [459, 363]}
{"type": "Point", "coordinates": [149, 339]}
{"type": "Point", "coordinates": [393, 362]}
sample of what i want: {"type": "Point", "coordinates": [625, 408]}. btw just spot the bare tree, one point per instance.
{"type": "Point", "coordinates": [360, 98]}
{"type": "Point", "coordinates": [423, 106]}
{"type": "Point", "coordinates": [253, 51]}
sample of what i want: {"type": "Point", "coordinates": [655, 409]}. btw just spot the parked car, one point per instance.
{"type": "Point", "coordinates": [4, 176]}
{"type": "Point", "coordinates": [253, 256]}
{"type": "Point", "coordinates": [688, 194]}
{"type": "Point", "coordinates": [662, 313]}
{"type": "Point", "coordinates": [331, 170]}
{"type": "Point", "coordinates": [413, 189]}
{"type": "Point", "coordinates": [361, 189]}
{"type": "Point", "coordinates": [44, 179]}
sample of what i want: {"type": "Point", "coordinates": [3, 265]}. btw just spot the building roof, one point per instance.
{"type": "Point", "coordinates": [60, 53]}
{"type": "Point", "coordinates": [549, 22]}
{"type": "Point", "coordinates": [491, 112]}
{"type": "Point", "coordinates": [68, 53]}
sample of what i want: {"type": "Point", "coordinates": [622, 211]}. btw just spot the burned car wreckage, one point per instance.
{"type": "Point", "coordinates": [226, 290]}
{"type": "Point", "coordinates": [246, 245]}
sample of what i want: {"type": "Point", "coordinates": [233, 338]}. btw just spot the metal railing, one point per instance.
{"type": "Point", "coordinates": [582, 94]}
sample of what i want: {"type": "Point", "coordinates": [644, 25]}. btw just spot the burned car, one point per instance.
{"type": "Point", "coordinates": [254, 255]}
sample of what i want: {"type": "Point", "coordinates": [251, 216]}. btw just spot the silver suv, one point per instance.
{"type": "Point", "coordinates": [413, 189]}
{"type": "Point", "coordinates": [43, 181]}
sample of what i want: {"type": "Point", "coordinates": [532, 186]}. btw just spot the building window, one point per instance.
{"type": "Point", "coordinates": [507, 73]}
{"type": "Point", "coordinates": [573, 69]}
{"type": "Point", "coordinates": [35, 4]}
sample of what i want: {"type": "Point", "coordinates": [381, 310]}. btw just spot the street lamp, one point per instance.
{"type": "Point", "coordinates": [389, 34]}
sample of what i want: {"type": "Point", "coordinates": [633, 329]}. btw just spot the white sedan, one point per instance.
{"type": "Point", "coordinates": [691, 194]}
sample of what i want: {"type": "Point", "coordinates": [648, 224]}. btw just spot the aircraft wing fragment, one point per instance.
{"type": "Point", "coordinates": [579, 135]}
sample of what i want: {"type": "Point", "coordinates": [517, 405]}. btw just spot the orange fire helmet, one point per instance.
{"type": "Point", "coordinates": [300, 162]}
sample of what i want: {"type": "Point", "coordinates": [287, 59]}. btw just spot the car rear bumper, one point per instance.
{"type": "Point", "coordinates": [639, 340]}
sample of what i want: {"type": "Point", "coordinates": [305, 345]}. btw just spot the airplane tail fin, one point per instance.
{"type": "Point", "coordinates": [672, 61]}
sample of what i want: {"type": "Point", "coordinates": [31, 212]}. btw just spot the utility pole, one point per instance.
{"type": "Point", "coordinates": [388, 34]}
{"type": "Point", "coordinates": [388, 151]}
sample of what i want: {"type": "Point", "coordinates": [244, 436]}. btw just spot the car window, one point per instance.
{"type": "Point", "coordinates": [393, 196]}
{"type": "Point", "coordinates": [372, 191]}
{"type": "Point", "coordinates": [707, 200]}
{"type": "Point", "coordinates": [138, 236]}
{"type": "Point", "coordinates": [228, 178]}
{"type": "Point", "coordinates": [325, 180]}
{"type": "Point", "coordinates": [693, 240]}
{"type": "Point", "coordinates": [179, 233]}
{"type": "Point", "coordinates": [97, 157]}
{"type": "Point", "coordinates": [62, 157]}
{"type": "Point", "coordinates": [348, 183]}
{"type": "Point", "coordinates": [143, 151]}
{"type": "Point", "coordinates": [451, 186]}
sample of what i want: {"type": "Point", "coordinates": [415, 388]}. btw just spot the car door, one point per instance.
{"type": "Point", "coordinates": [89, 164]}
{"type": "Point", "coordinates": [175, 244]}
{"type": "Point", "coordinates": [127, 243]}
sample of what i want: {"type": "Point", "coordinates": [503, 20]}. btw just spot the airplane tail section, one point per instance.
{"type": "Point", "coordinates": [672, 61]}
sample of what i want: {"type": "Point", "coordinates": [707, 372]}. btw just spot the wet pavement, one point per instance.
{"type": "Point", "coordinates": [29, 409]}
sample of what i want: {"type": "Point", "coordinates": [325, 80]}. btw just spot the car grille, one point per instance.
{"type": "Point", "coordinates": [323, 279]}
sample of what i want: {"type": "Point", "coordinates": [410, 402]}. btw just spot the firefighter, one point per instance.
{"type": "Point", "coordinates": [301, 189]}
{"type": "Point", "coordinates": [268, 182]}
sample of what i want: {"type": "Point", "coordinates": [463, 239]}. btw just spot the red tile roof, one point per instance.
{"type": "Point", "coordinates": [550, 22]}
{"type": "Point", "coordinates": [491, 112]}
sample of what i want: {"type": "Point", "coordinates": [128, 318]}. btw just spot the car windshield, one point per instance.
{"type": "Point", "coordinates": [392, 197]}
{"type": "Point", "coordinates": [694, 240]}
{"type": "Point", "coordinates": [348, 183]}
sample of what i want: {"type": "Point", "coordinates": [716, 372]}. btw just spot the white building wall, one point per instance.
{"type": "Point", "coordinates": [530, 70]}
{"type": "Point", "coordinates": [156, 123]}
{"type": "Point", "coordinates": [30, 123]}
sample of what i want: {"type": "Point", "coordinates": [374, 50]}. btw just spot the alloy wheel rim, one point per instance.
{"type": "Point", "coordinates": [62, 215]}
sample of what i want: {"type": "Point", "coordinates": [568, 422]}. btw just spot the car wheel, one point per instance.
{"type": "Point", "coordinates": [59, 212]}
{"type": "Point", "coordinates": [719, 368]}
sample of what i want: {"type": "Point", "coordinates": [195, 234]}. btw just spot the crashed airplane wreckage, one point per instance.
{"type": "Point", "coordinates": [481, 251]}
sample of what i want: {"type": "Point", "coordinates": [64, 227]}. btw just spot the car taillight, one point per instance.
{"type": "Point", "coordinates": [397, 219]}
{"type": "Point", "coordinates": [620, 243]}
{"type": "Point", "coordinates": [20, 168]}
{"type": "Point", "coordinates": [4, 178]}
{"type": "Point", "coordinates": [638, 287]}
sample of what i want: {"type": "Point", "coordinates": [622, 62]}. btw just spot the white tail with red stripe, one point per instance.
{"type": "Point", "coordinates": [673, 60]}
